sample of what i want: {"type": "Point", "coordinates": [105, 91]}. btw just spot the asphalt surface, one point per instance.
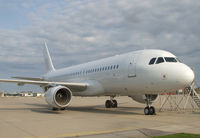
{"type": "Point", "coordinates": [29, 117]}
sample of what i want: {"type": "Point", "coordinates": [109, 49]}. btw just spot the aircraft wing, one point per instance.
{"type": "Point", "coordinates": [73, 86]}
{"type": "Point", "coordinates": [28, 78]}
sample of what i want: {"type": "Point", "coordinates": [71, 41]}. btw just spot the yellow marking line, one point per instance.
{"type": "Point", "coordinates": [97, 132]}
{"type": "Point", "coordinates": [89, 133]}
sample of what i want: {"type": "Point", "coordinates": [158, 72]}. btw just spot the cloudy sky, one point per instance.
{"type": "Point", "coordinates": [78, 31]}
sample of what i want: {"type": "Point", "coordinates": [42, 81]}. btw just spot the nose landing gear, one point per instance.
{"type": "Point", "coordinates": [112, 103]}
{"type": "Point", "coordinates": [149, 110]}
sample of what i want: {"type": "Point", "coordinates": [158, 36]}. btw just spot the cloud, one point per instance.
{"type": "Point", "coordinates": [84, 30]}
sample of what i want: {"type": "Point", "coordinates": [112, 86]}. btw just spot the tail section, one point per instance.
{"type": "Point", "coordinates": [47, 59]}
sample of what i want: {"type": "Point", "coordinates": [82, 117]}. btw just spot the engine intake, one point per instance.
{"type": "Point", "coordinates": [58, 97]}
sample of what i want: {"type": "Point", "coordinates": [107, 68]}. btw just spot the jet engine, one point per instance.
{"type": "Point", "coordinates": [142, 98]}
{"type": "Point", "coordinates": [58, 97]}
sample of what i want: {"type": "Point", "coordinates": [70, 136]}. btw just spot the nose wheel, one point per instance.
{"type": "Point", "coordinates": [112, 103]}
{"type": "Point", "coordinates": [149, 110]}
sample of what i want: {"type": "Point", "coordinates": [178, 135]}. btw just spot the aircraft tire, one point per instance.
{"type": "Point", "coordinates": [108, 104]}
{"type": "Point", "coordinates": [114, 104]}
{"type": "Point", "coordinates": [151, 110]}
{"type": "Point", "coordinates": [147, 110]}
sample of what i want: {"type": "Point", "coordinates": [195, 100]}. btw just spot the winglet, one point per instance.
{"type": "Point", "coordinates": [47, 59]}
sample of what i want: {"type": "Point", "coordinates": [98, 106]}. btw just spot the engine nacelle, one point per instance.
{"type": "Point", "coordinates": [142, 98]}
{"type": "Point", "coordinates": [58, 97]}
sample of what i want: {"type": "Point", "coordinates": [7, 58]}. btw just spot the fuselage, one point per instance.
{"type": "Point", "coordinates": [138, 72]}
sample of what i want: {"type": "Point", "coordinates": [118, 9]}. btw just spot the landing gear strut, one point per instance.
{"type": "Point", "coordinates": [112, 103]}
{"type": "Point", "coordinates": [149, 110]}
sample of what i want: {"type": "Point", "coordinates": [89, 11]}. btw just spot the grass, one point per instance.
{"type": "Point", "coordinates": [180, 135]}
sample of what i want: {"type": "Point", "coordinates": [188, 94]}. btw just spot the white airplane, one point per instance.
{"type": "Point", "coordinates": [141, 75]}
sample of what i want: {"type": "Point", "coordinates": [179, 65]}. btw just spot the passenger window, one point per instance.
{"type": "Point", "coordinates": [152, 61]}
{"type": "Point", "coordinates": [170, 59]}
{"type": "Point", "coordinates": [117, 66]}
{"type": "Point", "coordinates": [160, 60]}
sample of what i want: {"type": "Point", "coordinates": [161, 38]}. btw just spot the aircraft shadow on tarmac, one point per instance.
{"type": "Point", "coordinates": [98, 109]}
{"type": "Point", "coordinates": [90, 109]}
{"type": "Point", "coordinates": [103, 110]}
{"type": "Point", "coordinates": [43, 109]}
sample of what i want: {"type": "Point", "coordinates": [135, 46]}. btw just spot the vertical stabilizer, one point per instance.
{"type": "Point", "coordinates": [47, 59]}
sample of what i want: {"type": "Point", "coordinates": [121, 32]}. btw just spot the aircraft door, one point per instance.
{"type": "Point", "coordinates": [132, 69]}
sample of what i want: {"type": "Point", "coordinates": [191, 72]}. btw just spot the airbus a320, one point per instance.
{"type": "Point", "coordinates": [141, 75]}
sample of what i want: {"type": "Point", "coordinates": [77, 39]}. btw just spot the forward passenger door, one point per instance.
{"type": "Point", "coordinates": [132, 68]}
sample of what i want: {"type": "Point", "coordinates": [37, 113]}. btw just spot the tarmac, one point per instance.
{"type": "Point", "coordinates": [30, 117]}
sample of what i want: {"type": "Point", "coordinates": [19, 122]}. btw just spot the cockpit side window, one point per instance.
{"type": "Point", "coordinates": [178, 60]}
{"type": "Point", "coordinates": [160, 60]}
{"type": "Point", "coordinates": [170, 59]}
{"type": "Point", "coordinates": [152, 61]}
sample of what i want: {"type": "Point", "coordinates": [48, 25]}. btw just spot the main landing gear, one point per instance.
{"type": "Point", "coordinates": [149, 110]}
{"type": "Point", "coordinates": [112, 103]}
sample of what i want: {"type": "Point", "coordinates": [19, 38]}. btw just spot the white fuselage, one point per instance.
{"type": "Point", "coordinates": [127, 74]}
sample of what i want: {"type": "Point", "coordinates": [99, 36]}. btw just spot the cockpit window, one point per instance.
{"type": "Point", "coordinates": [160, 60]}
{"type": "Point", "coordinates": [152, 61]}
{"type": "Point", "coordinates": [170, 59]}
{"type": "Point", "coordinates": [163, 59]}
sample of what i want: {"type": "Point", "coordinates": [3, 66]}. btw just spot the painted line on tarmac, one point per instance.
{"type": "Point", "coordinates": [97, 132]}
{"type": "Point", "coordinates": [89, 133]}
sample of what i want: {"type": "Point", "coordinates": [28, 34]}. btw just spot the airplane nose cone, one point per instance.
{"type": "Point", "coordinates": [187, 76]}
{"type": "Point", "coordinates": [190, 76]}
